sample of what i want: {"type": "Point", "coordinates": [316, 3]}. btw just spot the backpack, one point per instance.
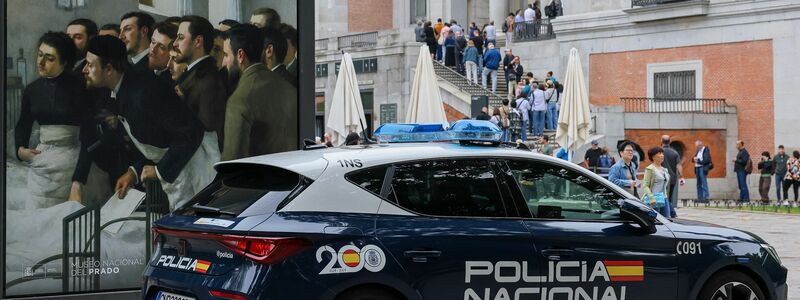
{"type": "Point", "coordinates": [505, 27]}
{"type": "Point", "coordinates": [504, 121]}
{"type": "Point", "coordinates": [748, 167]}
{"type": "Point", "coordinates": [604, 161]}
{"type": "Point", "coordinates": [550, 10]}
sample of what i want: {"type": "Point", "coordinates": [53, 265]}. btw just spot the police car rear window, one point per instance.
{"type": "Point", "coordinates": [245, 189]}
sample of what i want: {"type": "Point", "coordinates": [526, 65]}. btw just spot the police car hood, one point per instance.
{"type": "Point", "coordinates": [688, 229]}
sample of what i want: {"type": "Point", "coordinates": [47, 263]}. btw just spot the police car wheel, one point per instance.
{"type": "Point", "coordinates": [368, 293]}
{"type": "Point", "coordinates": [731, 285]}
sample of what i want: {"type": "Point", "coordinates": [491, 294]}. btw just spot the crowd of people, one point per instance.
{"type": "Point", "coordinates": [146, 100]}
{"type": "Point", "coordinates": [532, 105]}
{"type": "Point", "coordinates": [658, 185]}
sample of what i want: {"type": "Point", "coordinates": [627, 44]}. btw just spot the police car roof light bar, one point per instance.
{"type": "Point", "coordinates": [462, 131]}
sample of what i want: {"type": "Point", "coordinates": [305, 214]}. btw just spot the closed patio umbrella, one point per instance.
{"type": "Point", "coordinates": [347, 113]}
{"type": "Point", "coordinates": [426, 102]}
{"type": "Point", "coordinates": [574, 120]}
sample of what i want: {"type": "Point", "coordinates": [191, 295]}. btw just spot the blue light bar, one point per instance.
{"type": "Point", "coordinates": [409, 133]}
{"type": "Point", "coordinates": [462, 131]}
{"type": "Point", "coordinates": [475, 131]}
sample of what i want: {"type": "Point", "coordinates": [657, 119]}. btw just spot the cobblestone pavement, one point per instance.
{"type": "Point", "coordinates": [780, 230]}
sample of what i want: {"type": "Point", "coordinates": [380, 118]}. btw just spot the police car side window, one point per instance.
{"type": "Point", "coordinates": [369, 179]}
{"type": "Point", "coordinates": [554, 192]}
{"type": "Point", "coordinates": [454, 188]}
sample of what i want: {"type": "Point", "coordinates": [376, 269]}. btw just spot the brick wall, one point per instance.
{"type": "Point", "coordinates": [648, 138]}
{"type": "Point", "coordinates": [369, 15]}
{"type": "Point", "coordinates": [452, 113]}
{"type": "Point", "coordinates": [742, 73]}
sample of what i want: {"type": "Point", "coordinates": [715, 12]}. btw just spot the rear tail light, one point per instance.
{"type": "Point", "coordinates": [227, 295]}
{"type": "Point", "coordinates": [265, 250]}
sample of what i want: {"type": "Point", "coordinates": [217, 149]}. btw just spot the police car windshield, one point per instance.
{"type": "Point", "coordinates": [242, 190]}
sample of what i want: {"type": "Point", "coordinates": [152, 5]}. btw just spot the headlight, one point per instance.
{"type": "Point", "coordinates": [771, 251]}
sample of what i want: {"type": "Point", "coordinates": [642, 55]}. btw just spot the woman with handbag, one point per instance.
{"type": "Point", "coordinates": [656, 179]}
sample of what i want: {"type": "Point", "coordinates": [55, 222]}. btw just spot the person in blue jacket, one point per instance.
{"type": "Point", "coordinates": [491, 62]}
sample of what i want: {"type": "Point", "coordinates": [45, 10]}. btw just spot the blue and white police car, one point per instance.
{"type": "Point", "coordinates": [441, 220]}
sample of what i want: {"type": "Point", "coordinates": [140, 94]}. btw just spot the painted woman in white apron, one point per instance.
{"type": "Point", "coordinates": [58, 102]}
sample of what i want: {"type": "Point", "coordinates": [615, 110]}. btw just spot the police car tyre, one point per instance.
{"type": "Point", "coordinates": [731, 285]}
{"type": "Point", "coordinates": [369, 293]}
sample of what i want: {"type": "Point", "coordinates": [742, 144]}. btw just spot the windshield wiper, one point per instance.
{"type": "Point", "coordinates": [211, 210]}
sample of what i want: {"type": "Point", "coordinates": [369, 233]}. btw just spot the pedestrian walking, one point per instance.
{"type": "Point", "coordinates": [623, 173]}
{"type": "Point", "coordinates": [656, 183]}
{"type": "Point", "coordinates": [780, 160]}
{"type": "Point", "coordinates": [491, 33]}
{"type": "Point", "coordinates": [539, 108]}
{"type": "Point", "coordinates": [672, 161]}
{"type": "Point", "coordinates": [604, 163]}
{"type": "Point", "coordinates": [513, 73]}
{"type": "Point", "coordinates": [702, 165]}
{"type": "Point", "coordinates": [430, 38]}
{"type": "Point", "coordinates": [505, 123]}
{"type": "Point", "coordinates": [508, 27]}
{"type": "Point", "coordinates": [495, 119]}
{"type": "Point", "coordinates": [470, 61]}
{"type": "Point", "coordinates": [551, 97]}
{"type": "Point", "coordinates": [492, 60]}
{"type": "Point", "coordinates": [515, 120]}
{"type": "Point", "coordinates": [419, 32]}
{"type": "Point", "coordinates": [792, 177]}
{"type": "Point", "coordinates": [766, 167]}
{"type": "Point", "coordinates": [592, 156]}
{"type": "Point", "coordinates": [524, 108]}
{"type": "Point", "coordinates": [743, 166]}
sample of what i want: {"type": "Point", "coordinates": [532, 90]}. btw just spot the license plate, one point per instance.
{"type": "Point", "coordinates": [171, 296]}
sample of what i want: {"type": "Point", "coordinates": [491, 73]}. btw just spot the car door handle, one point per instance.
{"type": "Point", "coordinates": [557, 254]}
{"type": "Point", "coordinates": [421, 256]}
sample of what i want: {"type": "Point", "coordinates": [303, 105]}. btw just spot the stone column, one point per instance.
{"type": "Point", "coordinates": [498, 9]}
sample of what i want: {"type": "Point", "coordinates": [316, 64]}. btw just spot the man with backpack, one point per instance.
{"type": "Point", "coordinates": [743, 166]}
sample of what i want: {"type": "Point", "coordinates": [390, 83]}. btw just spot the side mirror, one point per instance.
{"type": "Point", "coordinates": [637, 212]}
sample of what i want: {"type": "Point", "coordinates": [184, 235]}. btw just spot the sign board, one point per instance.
{"type": "Point", "coordinates": [389, 113]}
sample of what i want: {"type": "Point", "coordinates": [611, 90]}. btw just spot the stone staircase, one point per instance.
{"type": "Point", "coordinates": [495, 99]}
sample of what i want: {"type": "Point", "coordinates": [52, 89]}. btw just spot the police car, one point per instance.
{"type": "Point", "coordinates": [441, 220]}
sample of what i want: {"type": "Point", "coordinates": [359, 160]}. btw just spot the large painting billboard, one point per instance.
{"type": "Point", "coordinates": [115, 113]}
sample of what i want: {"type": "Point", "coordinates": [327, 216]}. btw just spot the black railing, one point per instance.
{"type": "Point", "coordinates": [367, 39]}
{"type": "Point", "coordinates": [653, 2]}
{"type": "Point", "coordinates": [677, 105]}
{"type": "Point", "coordinates": [533, 31]}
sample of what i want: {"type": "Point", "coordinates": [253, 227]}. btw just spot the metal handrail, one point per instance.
{"type": "Point", "coordinates": [675, 105]}
{"type": "Point", "coordinates": [367, 39]}
{"type": "Point", "coordinates": [485, 91]}
{"type": "Point", "coordinates": [535, 30]}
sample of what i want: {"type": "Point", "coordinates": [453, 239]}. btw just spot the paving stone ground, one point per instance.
{"type": "Point", "coordinates": [779, 230]}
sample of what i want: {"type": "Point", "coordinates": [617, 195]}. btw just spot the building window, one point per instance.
{"type": "Point", "coordinates": [364, 65]}
{"type": "Point", "coordinates": [367, 100]}
{"type": "Point", "coordinates": [319, 107]}
{"type": "Point", "coordinates": [675, 79]}
{"type": "Point", "coordinates": [418, 10]}
{"type": "Point", "coordinates": [321, 70]}
{"type": "Point", "coordinates": [674, 85]}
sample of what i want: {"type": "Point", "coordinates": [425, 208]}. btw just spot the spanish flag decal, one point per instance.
{"type": "Point", "coordinates": [625, 270]}
{"type": "Point", "coordinates": [202, 266]}
{"type": "Point", "coordinates": [351, 258]}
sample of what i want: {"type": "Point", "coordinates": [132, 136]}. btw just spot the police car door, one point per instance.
{"type": "Point", "coordinates": [464, 240]}
{"type": "Point", "coordinates": [585, 249]}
